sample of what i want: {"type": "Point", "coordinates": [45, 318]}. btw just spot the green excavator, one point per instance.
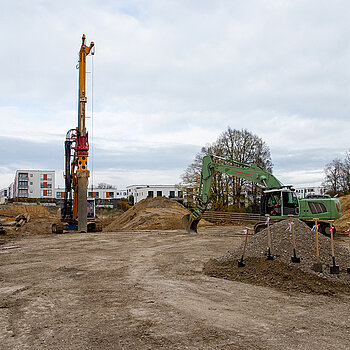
{"type": "Point", "coordinates": [277, 201]}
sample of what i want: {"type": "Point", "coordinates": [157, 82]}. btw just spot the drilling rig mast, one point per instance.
{"type": "Point", "coordinates": [78, 213]}
{"type": "Point", "coordinates": [80, 180]}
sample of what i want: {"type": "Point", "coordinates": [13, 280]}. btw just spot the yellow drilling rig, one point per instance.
{"type": "Point", "coordinates": [77, 212]}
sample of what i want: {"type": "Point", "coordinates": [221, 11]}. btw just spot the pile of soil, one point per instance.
{"type": "Point", "coordinates": [281, 273]}
{"type": "Point", "coordinates": [40, 219]}
{"type": "Point", "coordinates": [158, 213]}
{"type": "Point", "coordinates": [38, 225]}
{"type": "Point", "coordinates": [342, 223]}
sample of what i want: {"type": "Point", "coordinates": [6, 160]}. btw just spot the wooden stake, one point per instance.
{"type": "Point", "coordinates": [316, 232]}
{"type": "Point", "coordinates": [269, 256]}
{"type": "Point", "coordinates": [293, 237]}
{"type": "Point", "coordinates": [295, 259]}
{"type": "Point", "coordinates": [335, 268]}
{"type": "Point", "coordinates": [332, 237]}
{"type": "Point", "coordinates": [317, 266]}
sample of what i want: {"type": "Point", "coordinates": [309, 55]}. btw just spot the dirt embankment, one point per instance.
{"type": "Point", "coordinates": [16, 209]}
{"type": "Point", "coordinates": [39, 219]}
{"type": "Point", "coordinates": [281, 273]}
{"type": "Point", "coordinates": [158, 213]}
{"type": "Point", "coordinates": [342, 223]}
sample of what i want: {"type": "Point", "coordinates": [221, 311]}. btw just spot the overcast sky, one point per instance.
{"type": "Point", "coordinates": [168, 77]}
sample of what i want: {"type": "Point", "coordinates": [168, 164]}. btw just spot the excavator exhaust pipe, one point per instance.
{"type": "Point", "coordinates": [190, 224]}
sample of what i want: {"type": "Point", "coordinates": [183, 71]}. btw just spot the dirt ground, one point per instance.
{"type": "Point", "coordinates": [147, 290]}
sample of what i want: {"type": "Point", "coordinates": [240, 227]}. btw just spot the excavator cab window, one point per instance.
{"type": "Point", "coordinates": [279, 203]}
{"type": "Point", "coordinates": [290, 203]}
{"type": "Point", "coordinates": [271, 203]}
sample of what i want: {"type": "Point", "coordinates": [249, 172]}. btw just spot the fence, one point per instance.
{"type": "Point", "coordinates": [218, 216]}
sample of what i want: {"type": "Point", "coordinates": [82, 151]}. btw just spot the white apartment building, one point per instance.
{"type": "Point", "coordinates": [6, 193]}
{"type": "Point", "coordinates": [302, 192]}
{"type": "Point", "coordinates": [34, 184]}
{"type": "Point", "coordinates": [140, 192]}
{"type": "Point", "coordinates": [98, 193]}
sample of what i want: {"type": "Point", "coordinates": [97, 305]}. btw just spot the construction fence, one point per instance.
{"type": "Point", "coordinates": [231, 217]}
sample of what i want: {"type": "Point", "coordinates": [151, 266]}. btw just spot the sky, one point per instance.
{"type": "Point", "coordinates": [168, 77]}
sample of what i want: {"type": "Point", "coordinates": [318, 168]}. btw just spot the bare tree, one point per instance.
{"type": "Point", "coordinates": [333, 176]}
{"type": "Point", "coordinates": [337, 176]}
{"type": "Point", "coordinates": [345, 178]}
{"type": "Point", "coordinates": [228, 191]}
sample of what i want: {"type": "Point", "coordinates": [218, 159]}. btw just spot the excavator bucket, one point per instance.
{"type": "Point", "coordinates": [190, 223]}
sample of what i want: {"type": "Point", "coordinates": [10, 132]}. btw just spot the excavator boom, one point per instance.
{"type": "Point", "coordinates": [250, 172]}
{"type": "Point", "coordinates": [277, 200]}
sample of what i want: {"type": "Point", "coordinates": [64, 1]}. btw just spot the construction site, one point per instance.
{"type": "Point", "coordinates": [155, 274]}
{"type": "Point", "coordinates": [145, 283]}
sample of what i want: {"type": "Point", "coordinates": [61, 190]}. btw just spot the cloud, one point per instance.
{"type": "Point", "coordinates": [169, 77]}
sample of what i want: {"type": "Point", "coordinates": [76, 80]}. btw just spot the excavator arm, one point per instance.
{"type": "Point", "coordinates": [250, 172]}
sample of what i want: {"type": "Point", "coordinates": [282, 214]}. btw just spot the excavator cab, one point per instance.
{"type": "Point", "coordinates": [279, 202]}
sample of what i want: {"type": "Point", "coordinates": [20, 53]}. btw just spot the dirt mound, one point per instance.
{"type": "Point", "coordinates": [39, 219]}
{"type": "Point", "coordinates": [158, 213]}
{"type": "Point", "coordinates": [342, 223]}
{"type": "Point", "coordinates": [16, 209]}
{"type": "Point", "coordinates": [38, 225]}
{"type": "Point", "coordinates": [281, 273]}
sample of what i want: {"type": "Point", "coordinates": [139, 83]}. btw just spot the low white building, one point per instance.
{"type": "Point", "coordinates": [98, 193]}
{"type": "Point", "coordinates": [140, 192]}
{"type": "Point", "coordinates": [34, 184]}
{"type": "Point", "coordinates": [302, 192]}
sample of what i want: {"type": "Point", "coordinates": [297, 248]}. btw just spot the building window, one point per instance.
{"type": "Point", "coordinates": [111, 194]}
{"type": "Point", "coordinates": [49, 177]}
{"type": "Point", "coordinates": [49, 192]}
{"type": "Point", "coordinates": [22, 184]}
{"type": "Point", "coordinates": [49, 185]}
{"type": "Point", "coordinates": [22, 193]}
{"type": "Point", "coordinates": [180, 194]}
{"type": "Point", "coordinates": [150, 194]}
{"type": "Point", "coordinates": [31, 175]}
{"type": "Point", "coordinates": [172, 194]}
{"type": "Point", "coordinates": [89, 194]}
{"type": "Point", "coordinates": [58, 195]}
